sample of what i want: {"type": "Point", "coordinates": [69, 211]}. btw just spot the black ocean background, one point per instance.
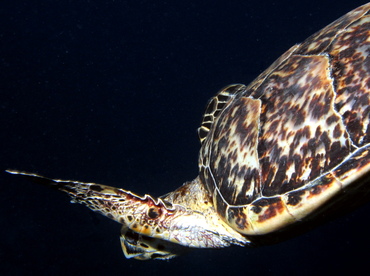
{"type": "Point", "coordinates": [112, 92]}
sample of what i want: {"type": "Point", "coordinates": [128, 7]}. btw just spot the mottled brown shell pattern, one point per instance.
{"type": "Point", "coordinates": [277, 150]}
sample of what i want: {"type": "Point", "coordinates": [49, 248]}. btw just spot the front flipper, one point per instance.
{"type": "Point", "coordinates": [146, 216]}
{"type": "Point", "coordinates": [117, 204]}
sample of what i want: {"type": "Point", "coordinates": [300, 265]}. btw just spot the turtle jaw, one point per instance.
{"type": "Point", "coordinates": [141, 247]}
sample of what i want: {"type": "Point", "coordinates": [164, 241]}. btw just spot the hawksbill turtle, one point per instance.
{"type": "Point", "coordinates": [274, 154]}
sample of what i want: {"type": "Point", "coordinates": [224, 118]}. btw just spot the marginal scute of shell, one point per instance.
{"type": "Point", "coordinates": [354, 168]}
{"type": "Point", "coordinates": [268, 214]}
{"type": "Point", "coordinates": [306, 200]}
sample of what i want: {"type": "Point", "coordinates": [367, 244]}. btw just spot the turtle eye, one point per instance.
{"type": "Point", "coordinates": [153, 213]}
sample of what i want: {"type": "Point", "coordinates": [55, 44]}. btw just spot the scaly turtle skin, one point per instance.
{"type": "Point", "coordinates": [274, 153]}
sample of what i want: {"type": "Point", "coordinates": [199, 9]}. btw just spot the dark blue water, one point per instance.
{"type": "Point", "coordinates": [112, 92]}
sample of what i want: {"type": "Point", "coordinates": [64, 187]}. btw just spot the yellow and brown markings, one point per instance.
{"type": "Point", "coordinates": [304, 201]}
{"type": "Point", "coordinates": [261, 78]}
{"type": "Point", "coordinates": [268, 214]}
{"type": "Point", "coordinates": [144, 215]}
{"type": "Point", "coordinates": [312, 135]}
{"type": "Point", "coordinates": [234, 154]}
{"type": "Point", "coordinates": [214, 107]}
{"type": "Point", "coordinates": [355, 167]}
{"type": "Point", "coordinates": [302, 135]}
{"type": "Point", "coordinates": [351, 63]}
{"type": "Point", "coordinates": [321, 40]}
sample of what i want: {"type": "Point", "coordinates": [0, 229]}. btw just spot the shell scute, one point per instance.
{"type": "Point", "coordinates": [234, 160]}
{"type": "Point", "coordinates": [355, 167]}
{"type": "Point", "coordinates": [321, 40]}
{"type": "Point", "coordinates": [301, 133]}
{"type": "Point", "coordinates": [266, 214]}
{"type": "Point", "coordinates": [238, 218]}
{"type": "Point", "coordinates": [304, 201]}
{"type": "Point", "coordinates": [351, 59]}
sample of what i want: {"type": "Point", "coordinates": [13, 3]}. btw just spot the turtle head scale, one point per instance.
{"type": "Point", "coordinates": [153, 228]}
